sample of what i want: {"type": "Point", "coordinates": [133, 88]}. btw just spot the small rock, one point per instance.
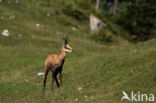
{"type": "Point", "coordinates": [19, 35]}
{"type": "Point", "coordinates": [73, 28]}
{"type": "Point", "coordinates": [57, 32]}
{"type": "Point", "coordinates": [41, 26]}
{"type": "Point", "coordinates": [80, 88]}
{"type": "Point", "coordinates": [25, 80]}
{"type": "Point", "coordinates": [2, 17]}
{"type": "Point", "coordinates": [40, 74]}
{"type": "Point", "coordinates": [28, 6]}
{"type": "Point", "coordinates": [16, 1]}
{"type": "Point", "coordinates": [132, 73]}
{"type": "Point", "coordinates": [5, 33]}
{"type": "Point", "coordinates": [75, 99]}
{"type": "Point", "coordinates": [9, 2]}
{"type": "Point", "coordinates": [48, 14]}
{"type": "Point", "coordinates": [12, 17]}
{"type": "Point", "coordinates": [38, 3]}
{"type": "Point", "coordinates": [37, 25]}
{"type": "Point", "coordinates": [33, 36]}
{"type": "Point", "coordinates": [85, 96]}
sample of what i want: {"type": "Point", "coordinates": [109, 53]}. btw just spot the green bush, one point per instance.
{"type": "Point", "coordinates": [139, 19]}
{"type": "Point", "coordinates": [74, 12]}
{"type": "Point", "coordinates": [103, 35]}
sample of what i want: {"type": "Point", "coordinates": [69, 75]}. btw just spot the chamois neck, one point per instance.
{"type": "Point", "coordinates": [63, 54]}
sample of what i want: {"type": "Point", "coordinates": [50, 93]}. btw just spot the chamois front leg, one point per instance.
{"type": "Point", "coordinates": [55, 76]}
{"type": "Point", "coordinates": [61, 79]}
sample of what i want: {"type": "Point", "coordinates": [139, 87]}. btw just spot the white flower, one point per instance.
{"type": "Point", "coordinates": [40, 74]}
{"type": "Point", "coordinates": [5, 32]}
{"type": "Point", "coordinates": [0, 0]}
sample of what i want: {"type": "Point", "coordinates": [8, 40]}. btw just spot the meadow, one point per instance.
{"type": "Point", "coordinates": [93, 73]}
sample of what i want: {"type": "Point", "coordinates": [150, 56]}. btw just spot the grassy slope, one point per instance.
{"type": "Point", "coordinates": [102, 71]}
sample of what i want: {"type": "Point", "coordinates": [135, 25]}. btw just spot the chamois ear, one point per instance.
{"type": "Point", "coordinates": [67, 40]}
{"type": "Point", "coordinates": [63, 40]}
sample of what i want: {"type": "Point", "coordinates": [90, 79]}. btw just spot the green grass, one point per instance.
{"type": "Point", "coordinates": [103, 71]}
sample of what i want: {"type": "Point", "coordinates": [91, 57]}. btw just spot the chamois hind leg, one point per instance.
{"type": "Point", "coordinates": [45, 77]}
{"type": "Point", "coordinates": [52, 83]}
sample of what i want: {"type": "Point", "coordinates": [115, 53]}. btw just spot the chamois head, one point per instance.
{"type": "Point", "coordinates": [65, 45]}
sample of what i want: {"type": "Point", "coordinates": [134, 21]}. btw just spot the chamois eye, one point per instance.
{"type": "Point", "coordinates": [65, 47]}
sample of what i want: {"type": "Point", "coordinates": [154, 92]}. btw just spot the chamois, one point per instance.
{"type": "Point", "coordinates": [54, 62]}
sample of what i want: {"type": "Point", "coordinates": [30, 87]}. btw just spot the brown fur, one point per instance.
{"type": "Point", "coordinates": [55, 63]}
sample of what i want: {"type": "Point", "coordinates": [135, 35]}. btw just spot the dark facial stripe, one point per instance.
{"type": "Point", "coordinates": [67, 48]}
